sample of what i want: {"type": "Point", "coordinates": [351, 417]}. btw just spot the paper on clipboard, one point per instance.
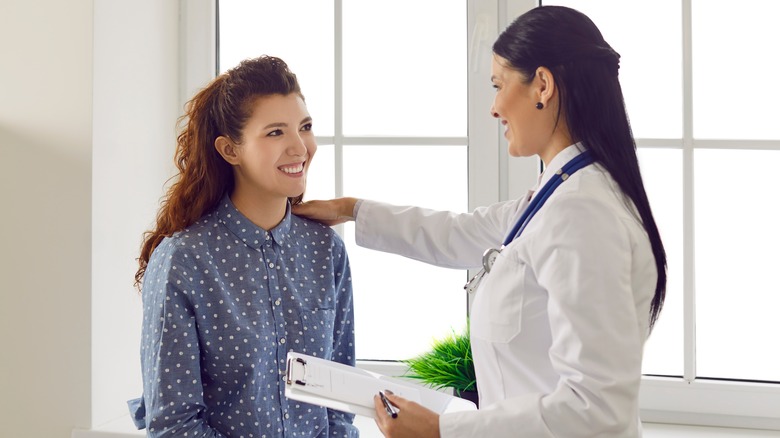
{"type": "Point", "coordinates": [349, 389]}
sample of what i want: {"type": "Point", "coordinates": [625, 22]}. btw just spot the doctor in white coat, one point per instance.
{"type": "Point", "coordinates": [575, 272]}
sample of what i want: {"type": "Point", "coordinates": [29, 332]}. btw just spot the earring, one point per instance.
{"type": "Point", "coordinates": [539, 105]}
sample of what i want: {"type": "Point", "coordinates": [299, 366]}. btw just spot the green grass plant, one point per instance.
{"type": "Point", "coordinates": [448, 364]}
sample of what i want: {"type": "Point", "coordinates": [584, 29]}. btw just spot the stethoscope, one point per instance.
{"type": "Point", "coordinates": [491, 254]}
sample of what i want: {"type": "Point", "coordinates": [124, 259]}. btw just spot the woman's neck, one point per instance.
{"type": "Point", "coordinates": [264, 211]}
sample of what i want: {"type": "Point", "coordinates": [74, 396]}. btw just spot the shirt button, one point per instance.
{"type": "Point", "coordinates": [270, 265]}
{"type": "Point", "coordinates": [286, 416]}
{"type": "Point", "coordinates": [282, 341]}
{"type": "Point", "coordinates": [278, 301]}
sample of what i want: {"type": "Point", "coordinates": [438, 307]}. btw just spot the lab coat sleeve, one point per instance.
{"type": "Point", "coordinates": [441, 238]}
{"type": "Point", "coordinates": [584, 261]}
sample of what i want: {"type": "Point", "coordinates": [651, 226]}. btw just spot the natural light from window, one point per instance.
{"type": "Point", "coordinates": [407, 81]}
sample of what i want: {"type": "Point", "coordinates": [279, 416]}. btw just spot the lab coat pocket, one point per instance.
{"type": "Point", "coordinates": [498, 307]}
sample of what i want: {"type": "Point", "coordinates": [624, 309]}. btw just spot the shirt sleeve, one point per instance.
{"type": "Point", "coordinates": [597, 324]}
{"type": "Point", "coordinates": [340, 423]}
{"type": "Point", "coordinates": [170, 358]}
{"type": "Point", "coordinates": [442, 238]}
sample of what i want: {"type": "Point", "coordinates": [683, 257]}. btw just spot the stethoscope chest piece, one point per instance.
{"type": "Point", "coordinates": [489, 257]}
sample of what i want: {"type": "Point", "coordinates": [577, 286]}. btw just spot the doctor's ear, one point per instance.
{"type": "Point", "coordinates": [226, 149]}
{"type": "Point", "coordinates": [545, 83]}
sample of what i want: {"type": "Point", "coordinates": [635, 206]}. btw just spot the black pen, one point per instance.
{"type": "Point", "coordinates": [388, 407]}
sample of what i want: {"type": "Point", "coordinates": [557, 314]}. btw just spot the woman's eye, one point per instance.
{"type": "Point", "coordinates": [306, 127]}
{"type": "Point", "coordinates": [495, 87]}
{"type": "Point", "coordinates": [275, 133]}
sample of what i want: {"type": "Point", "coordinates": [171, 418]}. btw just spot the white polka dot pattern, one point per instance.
{"type": "Point", "coordinates": [224, 301]}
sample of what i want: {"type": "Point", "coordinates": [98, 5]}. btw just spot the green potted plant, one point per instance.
{"type": "Point", "coordinates": [448, 364]}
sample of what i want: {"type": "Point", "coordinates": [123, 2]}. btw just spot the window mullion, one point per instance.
{"type": "Point", "coordinates": [689, 286]}
{"type": "Point", "coordinates": [338, 104]}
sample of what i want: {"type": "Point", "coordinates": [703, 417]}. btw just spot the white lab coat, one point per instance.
{"type": "Point", "coordinates": [559, 324]}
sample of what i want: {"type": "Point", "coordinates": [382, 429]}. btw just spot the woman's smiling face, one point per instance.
{"type": "Point", "coordinates": [278, 146]}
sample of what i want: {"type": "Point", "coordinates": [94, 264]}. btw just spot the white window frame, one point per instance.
{"type": "Point", "coordinates": [689, 399]}
{"type": "Point", "coordinates": [493, 177]}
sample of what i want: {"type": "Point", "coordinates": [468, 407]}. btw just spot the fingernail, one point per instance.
{"type": "Point", "coordinates": [387, 391]}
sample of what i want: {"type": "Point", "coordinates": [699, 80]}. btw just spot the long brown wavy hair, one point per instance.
{"type": "Point", "coordinates": [204, 177]}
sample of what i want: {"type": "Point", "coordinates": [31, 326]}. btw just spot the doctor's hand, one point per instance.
{"type": "Point", "coordinates": [332, 212]}
{"type": "Point", "coordinates": [413, 421]}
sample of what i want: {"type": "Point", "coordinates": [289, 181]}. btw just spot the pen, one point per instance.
{"type": "Point", "coordinates": [388, 407]}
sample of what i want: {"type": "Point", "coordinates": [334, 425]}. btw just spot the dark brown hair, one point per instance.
{"type": "Point", "coordinates": [586, 68]}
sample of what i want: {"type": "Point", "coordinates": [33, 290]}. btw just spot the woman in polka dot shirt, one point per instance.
{"type": "Point", "coordinates": [231, 281]}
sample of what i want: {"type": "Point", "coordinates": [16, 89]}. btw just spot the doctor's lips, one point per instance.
{"type": "Point", "coordinates": [292, 169]}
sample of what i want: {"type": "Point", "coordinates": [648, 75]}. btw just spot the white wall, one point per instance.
{"type": "Point", "coordinates": [135, 109]}
{"type": "Point", "coordinates": [45, 224]}
{"type": "Point", "coordinates": [87, 114]}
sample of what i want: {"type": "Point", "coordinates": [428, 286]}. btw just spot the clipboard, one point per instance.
{"type": "Point", "coordinates": [349, 389]}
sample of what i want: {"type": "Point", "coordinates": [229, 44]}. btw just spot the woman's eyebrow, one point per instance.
{"type": "Point", "coordinates": [275, 125]}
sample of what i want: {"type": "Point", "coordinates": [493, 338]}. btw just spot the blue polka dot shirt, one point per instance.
{"type": "Point", "coordinates": [223, 303]}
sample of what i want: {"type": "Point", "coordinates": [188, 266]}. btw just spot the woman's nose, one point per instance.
{"type": "Point", "coordinates": [297, 147]}
{"type": "Point", "coordinates": [493, 111]}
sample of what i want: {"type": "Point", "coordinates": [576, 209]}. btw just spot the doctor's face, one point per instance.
{"type": "Point", "coordinates": [515, 106]}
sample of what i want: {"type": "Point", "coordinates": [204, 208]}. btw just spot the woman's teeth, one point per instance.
{"type": "Point", "coordinates": [297, 168]}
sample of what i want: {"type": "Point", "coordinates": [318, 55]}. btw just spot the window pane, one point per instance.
{"type": "Point", "coordinates": [387, 288]}
{"type": "Point", "coordinates": [300, 32]}
{"type": "Point", "coordinates": [662, 174]}
{"type": "Point", "coordinates": [648, 37]}
{"type": "Point", "coordinates": [405, 68]}
{"type": "Point", "coordinates": [735, 66]}
{"type": "Point", "coordinates": [321, 178]}
{"type": "Point", "coordinates": [737, 291]}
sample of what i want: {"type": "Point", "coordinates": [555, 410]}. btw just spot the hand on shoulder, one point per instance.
{"type": "Point", "coordinates": [330, 212]}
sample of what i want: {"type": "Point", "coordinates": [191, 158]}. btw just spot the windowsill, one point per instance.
{"type": "Point", "coordinates": [123, 428]}
{"type": "Point", "coordinates": [655, 427]}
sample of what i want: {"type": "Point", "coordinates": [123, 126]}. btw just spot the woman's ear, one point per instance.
{"type": "Point", "coordinates": [545, 83]}
{"type": "Point", "coordinates": [226, 149]}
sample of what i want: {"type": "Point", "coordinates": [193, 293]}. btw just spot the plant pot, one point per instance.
{"type": "Point", "coordinates": [471, 396]}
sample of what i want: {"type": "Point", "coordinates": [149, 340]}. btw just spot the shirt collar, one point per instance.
{"type": "Point", "coordinates": [247, 231]}
{"type": "Point", "coordinates": [559, 161]}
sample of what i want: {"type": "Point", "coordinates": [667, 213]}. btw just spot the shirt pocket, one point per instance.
{"type": "Point", "coordinates": [498, 305]}
{"type": "Point", "coordinates": [317, 328]}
